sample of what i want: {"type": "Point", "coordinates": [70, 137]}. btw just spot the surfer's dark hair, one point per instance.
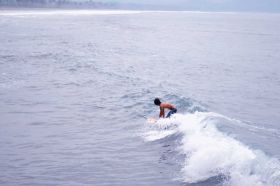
{"type": "Point", "coordinates": [157, 101]}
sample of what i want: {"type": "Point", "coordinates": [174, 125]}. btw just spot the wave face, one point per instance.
{"type": "Point", "coordinates": [211, 154]}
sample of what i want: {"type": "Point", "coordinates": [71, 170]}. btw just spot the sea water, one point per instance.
{"type": "Point", "coordinates": [76, 86]}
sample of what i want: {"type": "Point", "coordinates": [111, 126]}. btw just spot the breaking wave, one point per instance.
{"type": "Point", "coordinates": [210, 153]}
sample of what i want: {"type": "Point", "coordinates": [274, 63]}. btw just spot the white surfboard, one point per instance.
{"type": "Point", "coordinates": [151, 120]}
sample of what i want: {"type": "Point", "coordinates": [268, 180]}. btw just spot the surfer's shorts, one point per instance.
{"type": "Point", "coordinates": [172, 111]}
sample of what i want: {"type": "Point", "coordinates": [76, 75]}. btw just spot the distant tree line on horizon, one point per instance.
{"type": "Point", "coordinates": [55, 3]}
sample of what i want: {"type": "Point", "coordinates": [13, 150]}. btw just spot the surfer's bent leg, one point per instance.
{"type": "Point", "coordinates": [173, 111]}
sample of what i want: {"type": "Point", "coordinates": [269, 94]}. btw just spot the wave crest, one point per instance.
{"type": "Point", "coordinates": [210, 153]}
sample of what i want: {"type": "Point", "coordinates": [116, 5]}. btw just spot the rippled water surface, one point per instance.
{"type": "Point", "coordinates": [76, 86]}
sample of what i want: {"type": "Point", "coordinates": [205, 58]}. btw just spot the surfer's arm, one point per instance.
{"type": "Point", "coordinates": [161, 113]}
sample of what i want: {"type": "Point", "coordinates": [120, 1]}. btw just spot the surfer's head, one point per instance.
{"type": "Point", "coordinates": [157, 102]}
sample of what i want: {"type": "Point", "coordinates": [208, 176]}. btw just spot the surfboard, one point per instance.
{"type": "Point", "coordinates": [151, 120]}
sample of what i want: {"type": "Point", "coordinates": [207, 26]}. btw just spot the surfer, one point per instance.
{"type": "Point", "coordinates": [163, 106]}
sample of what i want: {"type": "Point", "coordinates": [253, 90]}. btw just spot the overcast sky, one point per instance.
{"type": "Point", "coordinates": [221, 5]}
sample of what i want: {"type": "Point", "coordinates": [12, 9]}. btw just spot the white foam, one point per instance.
{"type": "Point", "coordinates": [210, 153]}
{"type": "Point", "coordinates": [159, 130]}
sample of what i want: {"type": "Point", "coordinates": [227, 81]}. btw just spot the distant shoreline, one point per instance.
{"type": "Point", "coordinates": [114, 10]}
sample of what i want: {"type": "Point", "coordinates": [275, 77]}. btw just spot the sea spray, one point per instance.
{"type": "Point", "coordinates": [210, 153]}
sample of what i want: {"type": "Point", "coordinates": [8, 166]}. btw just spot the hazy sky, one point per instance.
{"type": "Point", "coordinates": [221, 5]}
